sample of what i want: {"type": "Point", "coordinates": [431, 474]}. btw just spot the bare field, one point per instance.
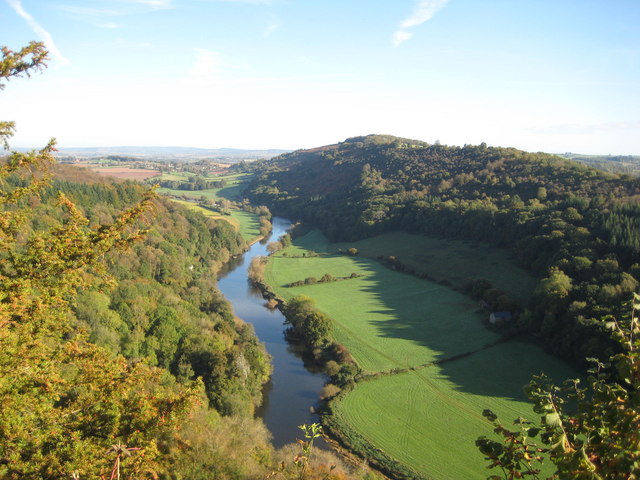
{"type": "Point", "coordinates": [126, 172]}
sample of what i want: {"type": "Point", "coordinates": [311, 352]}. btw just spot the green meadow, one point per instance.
{"type": "Point", "coordinates": [429, 417]}
{"type": "Point", "coordinates": [386, 319]}
{"type": "Point", "coordinates": [231, 191]}
{"type": "Point", "coordinates": [463, 261]}
{"type": "Point", "coordinates": [248, 224]}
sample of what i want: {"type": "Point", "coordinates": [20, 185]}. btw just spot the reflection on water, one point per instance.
{"type": "Point", "coordinates": [293, 389]}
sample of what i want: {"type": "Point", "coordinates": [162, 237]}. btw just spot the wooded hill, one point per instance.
{"type": "Point", "coordinates": [82, 337]}
{"type": "Point", "coordinates": [574, 227]}
{"type": "Point", "coordinates": [166, 309]}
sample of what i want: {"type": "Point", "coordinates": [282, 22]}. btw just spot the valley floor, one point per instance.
{"type": "Point", "coordinates": [433, 364]}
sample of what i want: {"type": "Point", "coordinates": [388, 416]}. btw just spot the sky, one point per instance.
{"type": "Point", "coordinates": [541, 75]}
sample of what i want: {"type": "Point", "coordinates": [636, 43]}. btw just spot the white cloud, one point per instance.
{"type": "Point", "coordinates": [44, 35]}
{"type": "Point", "coordinates": [400, 36]}
{"type": "Point", "coordinates": [423, 11]}
{"type": "Point", "coordinates": [109, 25]}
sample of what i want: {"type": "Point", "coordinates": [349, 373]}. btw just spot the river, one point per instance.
{"type": "Point", "coordinates": [293, 389]}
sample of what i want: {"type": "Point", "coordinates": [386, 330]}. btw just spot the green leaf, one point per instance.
{"type": "Point", "coordinates": [552, 419]}
{"type": "Point", "coordinates": [533, 431]}
{"type": "Point", "coordinates": [561, 443]}
{"type": "Point", "coordinates": [489, 415]}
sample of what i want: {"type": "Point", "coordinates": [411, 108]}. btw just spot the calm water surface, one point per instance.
{"type": "Point", "coordinates": [293, 389]}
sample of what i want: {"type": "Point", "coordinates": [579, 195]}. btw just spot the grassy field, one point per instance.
{"type": "Point", "coordinates": [462, 262]}
{"type": "Point", "coordinates": [386, 319]}
{"type": "Point", "coordinates": [248, 224]}
{"type": "Point", "coordinates": [176, 176]}
{"type": "Point", "coordinates": [427, 419]}
{"type": "Point", "coordinates": [231, 191]}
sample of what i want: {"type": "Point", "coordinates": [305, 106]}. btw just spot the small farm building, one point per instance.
{"type": "Point", "coordinates": [497, 318]}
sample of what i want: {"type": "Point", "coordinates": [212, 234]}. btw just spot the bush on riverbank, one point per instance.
{"type": "Point", "coordinates": [308, 323]}
{"type": "Point", "coordinates": [256, 270]}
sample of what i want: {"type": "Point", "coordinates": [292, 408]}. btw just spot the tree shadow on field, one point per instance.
{"type": "Point", "coordinates": [232, 192]}
{"type": "Point", "coordinates": [409, 322]}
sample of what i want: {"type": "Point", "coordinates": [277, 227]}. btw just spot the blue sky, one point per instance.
{"type": "Point", "coordinates": [556, 76]}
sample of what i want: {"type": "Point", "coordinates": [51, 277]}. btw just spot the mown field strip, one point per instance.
{"type": "Point", "coordinates": [249, 224]}
{"type": "Point", "coordinates": [463, 260]}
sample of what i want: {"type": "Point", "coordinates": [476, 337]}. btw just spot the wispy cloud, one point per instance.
{"type": "Point", "coordinates": [110, 25]}
{"type": "Point", "coordinates": [274, 24]}
{"type": "Point", "coordinates": [422, 12]}
{"type": "Point", "coordinates": [254, 2]}
{"type": "Point", "coordinates": [95, 16]}
{"type": "Point", "coordinates": [44, 35]}
{"type": "Point", "coordinates": [84, 12]}
{"type": "Point", "coordinates": [155, 4]}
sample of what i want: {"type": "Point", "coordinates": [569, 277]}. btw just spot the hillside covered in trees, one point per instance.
{"type": "Point", "coordinates": [165, 308]}
{"type": "Point", "coordinates": [117, 343]}
{"type": "Point", "coordinates": [574, 227]}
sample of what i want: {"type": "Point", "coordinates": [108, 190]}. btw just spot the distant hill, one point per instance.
{"type": "Point", "coordinates": [232, 155]}
{"type": "Point", "coordinates": [629, 164]}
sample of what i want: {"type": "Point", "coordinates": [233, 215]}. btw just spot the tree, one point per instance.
{"type": "Point", "coordinates": [309, 323]}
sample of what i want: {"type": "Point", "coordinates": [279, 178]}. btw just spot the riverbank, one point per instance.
{"type": "Point", "coordinates": [352, 447]}
{"type": "Point", "coordinates": [336, 439]}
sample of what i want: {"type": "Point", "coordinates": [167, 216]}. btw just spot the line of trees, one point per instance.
{"type": "Point", "coordinates": [326, 278]}
{"type": "Point", "coordinates": [193, 183]}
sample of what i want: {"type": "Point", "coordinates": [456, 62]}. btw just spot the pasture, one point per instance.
{"type": "Point", "coordinates": [455, 261]}
{"type": "Point", "coordinates": [428, 417]}
{"type": "Point", "coordinates": [126, 173]}
{"type": "Point", "coordinates": [386, 319]}
{"type": "Point", "coordinates": [231, 191]}
{"type": "Point", "coordinates": [247, 224]}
